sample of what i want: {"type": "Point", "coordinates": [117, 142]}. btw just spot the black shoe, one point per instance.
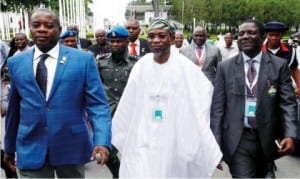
{"type": "Point", "coordinates": [270, 174]}
{"type": "Point", "coordinates": [271, 170]}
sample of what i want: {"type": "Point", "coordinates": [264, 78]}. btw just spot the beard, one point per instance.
{"type": "Point", "coordinates": [160, 53]}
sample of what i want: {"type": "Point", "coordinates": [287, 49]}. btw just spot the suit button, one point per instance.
{"type": "Point", "coordinates": [116, 79]}
{"type": "Point", "coordinates": [47, 109]}
{"type": "Point", "coordinates": [116, 89]}
{"type": "Point", "coordinates": [46, 129]}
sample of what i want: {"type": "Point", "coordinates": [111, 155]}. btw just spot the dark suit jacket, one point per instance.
{"type": "Point", "coordinates": [211, 59]}
{"type": "Point", "coordinates": [144, 47]}
{"type": "Point", "coordinates": [85, 43]}
{"type": "Point", "coordinates": [275, 114]}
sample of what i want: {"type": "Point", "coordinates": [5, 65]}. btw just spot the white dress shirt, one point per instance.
{"type": "Point", "coordinates": [50, 62]}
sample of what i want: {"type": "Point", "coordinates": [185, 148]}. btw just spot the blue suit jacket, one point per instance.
{"type": "Point", "coordinates": [57, 127]}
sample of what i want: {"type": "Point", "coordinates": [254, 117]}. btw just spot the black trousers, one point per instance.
{"type": "Point", "coordinates": [113, 163]}
{"type": "Point", "coordinates": [249, 160]}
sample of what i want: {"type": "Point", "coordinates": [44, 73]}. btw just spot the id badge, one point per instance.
{"type": "Point", "coordinates": [250, 107]}
{"type": "Point", "coordinates": [157, 114]}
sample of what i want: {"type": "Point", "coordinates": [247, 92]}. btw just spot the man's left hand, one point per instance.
{"type": "Point", "coordinates": [103, 151]}
{"type": "Point", "coordinates": [297, 92]}
{"type": "Point", "coordinates": [287, 146]}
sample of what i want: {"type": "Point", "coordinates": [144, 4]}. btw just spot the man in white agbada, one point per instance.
{"type": "Point", "coordinates": [161, 126]}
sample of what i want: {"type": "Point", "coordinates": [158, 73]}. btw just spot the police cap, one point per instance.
{"type": "Point", "coordinates": [117, 32]}
{"type": "Point", "coordinates": [275, 26]}
{"type": "Point", "coordinates": [68, 33]}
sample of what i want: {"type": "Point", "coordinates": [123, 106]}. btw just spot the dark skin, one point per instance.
{"type": "Point", "coordinates": [118, 47]}
{"type": "Point", "coordinates": [45, 31]}
{"type": "Point", "coordinates": [21, 41]}
{"type": "Point", "coordinates": [274, 42]}
{"type": "Point", "coordinates": [134, 30]}
{"type": "Point", "coordinates": [100, 35]}
{"type": "Point", "coordinates": [199, 36]}
{"type": "Point", "coordinates": [250, 42]}
{"type": "Point", "coordinates": [160, 42]}
{"type": "Point", "coordinates": [178, 40]}
{"type": "Point", "coordinates": [70, 41]}
{"type": "Point", "coordinates": [228, 38]}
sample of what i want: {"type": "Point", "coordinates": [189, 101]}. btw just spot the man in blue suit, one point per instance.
{"type": "Point", "coordinates": [46, 125]}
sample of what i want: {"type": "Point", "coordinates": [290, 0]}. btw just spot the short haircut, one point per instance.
{"type": "Point", "coordinates": [258, 24]}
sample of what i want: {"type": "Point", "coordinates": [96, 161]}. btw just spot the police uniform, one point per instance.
{"type": "Point", "coordinates": [285, 51]}
{"type": "Point", "coordinates": [114, 76]}
{"type": "Point", "coordinates": [114, 73]}
{"type": "Point", "coordinates": [68, 33]}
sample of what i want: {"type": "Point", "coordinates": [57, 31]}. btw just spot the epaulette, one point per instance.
{"type": "Point", "coordinates": [133, 57]}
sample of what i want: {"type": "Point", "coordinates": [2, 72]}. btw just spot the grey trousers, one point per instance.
{"type": "Point", "coordinates": [47, 171]}
{"type": "Point", "coordinates": [248, 161]}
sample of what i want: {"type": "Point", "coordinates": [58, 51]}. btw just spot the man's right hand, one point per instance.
{"type": "Point", "coordinates": [9, 160]}
{"type": "Point", "coordinates": [220, 165]}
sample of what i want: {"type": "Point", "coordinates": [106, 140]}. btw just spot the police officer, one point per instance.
{"type": "Point", "coordinates": [114, 69]}
{"type": "Point", "coordinates": [275, 31]}
{"type": "Point", "coordinates": [69, 38]}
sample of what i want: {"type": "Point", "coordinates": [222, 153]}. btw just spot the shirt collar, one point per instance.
{"type": "Point", "coordinates": [137, 42]}
{"type": "Point", "coordinates": [54, 52]}
{"type": "Point", "coordinates": [257, 58]}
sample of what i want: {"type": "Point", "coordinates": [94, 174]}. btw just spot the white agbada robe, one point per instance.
{"type": "Point", "coordinates": [179, 145]}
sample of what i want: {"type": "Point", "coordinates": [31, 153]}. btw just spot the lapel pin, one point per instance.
{"type": "Point", "coordinates": [63, 60]}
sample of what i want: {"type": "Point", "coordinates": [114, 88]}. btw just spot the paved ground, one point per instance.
{"type": "Point", "coordinates": [288, 167]}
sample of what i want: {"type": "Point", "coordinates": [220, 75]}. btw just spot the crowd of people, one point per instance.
{"type": "Point", "coordinates": [171, 107]}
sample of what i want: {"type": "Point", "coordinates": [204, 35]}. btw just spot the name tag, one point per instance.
{"type": "Point", "coordinates": [250, 107]}
{"type": "Point", "coordinates": [157, 114]}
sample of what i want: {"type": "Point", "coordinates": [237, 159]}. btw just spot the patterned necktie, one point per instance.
{"type": "Point", "coordinates": [251, 92]}
{"type": "Point", "coordinates": [41, 73]}
{"type": "Point", "coordinates": [132, 49]}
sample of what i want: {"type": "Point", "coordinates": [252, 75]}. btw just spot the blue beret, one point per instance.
{"type": "Point", "coordinates": [68, 33]}
{"type": "Point", "coordinates": [275, 26]}
{"type": "Point", "coordinates": [117, 32]}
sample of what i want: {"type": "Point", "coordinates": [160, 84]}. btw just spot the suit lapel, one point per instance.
{"type": "Point", "coordinates": [263, 77]}
{"type": "Point", "coordinates": [30, 71]}
{"type": "Point", "coordinates": [61, 65]}
{"type": "Point", "coordinates": [239, 76]}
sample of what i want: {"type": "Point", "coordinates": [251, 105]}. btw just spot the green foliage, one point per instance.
{"type": "Point", "coordinates": [213, 13]}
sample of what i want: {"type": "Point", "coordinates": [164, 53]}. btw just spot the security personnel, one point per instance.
{"type": "Point", "coordinates": [273, 45]}
{"type": "Point", "coordinates": [69, 38]}
{"type": "Point", "coordinates": [114, 69]}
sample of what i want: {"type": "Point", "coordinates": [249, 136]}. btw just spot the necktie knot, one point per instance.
{"type": "Point", "coordinates": [44, 56]}
{"type": "Point", "coordinates": [250, 61]}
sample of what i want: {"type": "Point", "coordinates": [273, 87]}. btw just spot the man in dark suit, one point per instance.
{"type": "Point", "coordinates": [253, 106]}
{"type": "Point", "coordinates": [81, 42]}
{"type": "Point", "coordinates": [53, 87]}
{"type": "Point", "coordinates": [136, 46]}
{"type": "Point", "coordinates": [205, 56]}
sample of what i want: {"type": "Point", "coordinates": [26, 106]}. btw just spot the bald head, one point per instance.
{"type": "Point", "coordinates": [73, 27]}
{"type": "Point", "coordinates": [100, 35]}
